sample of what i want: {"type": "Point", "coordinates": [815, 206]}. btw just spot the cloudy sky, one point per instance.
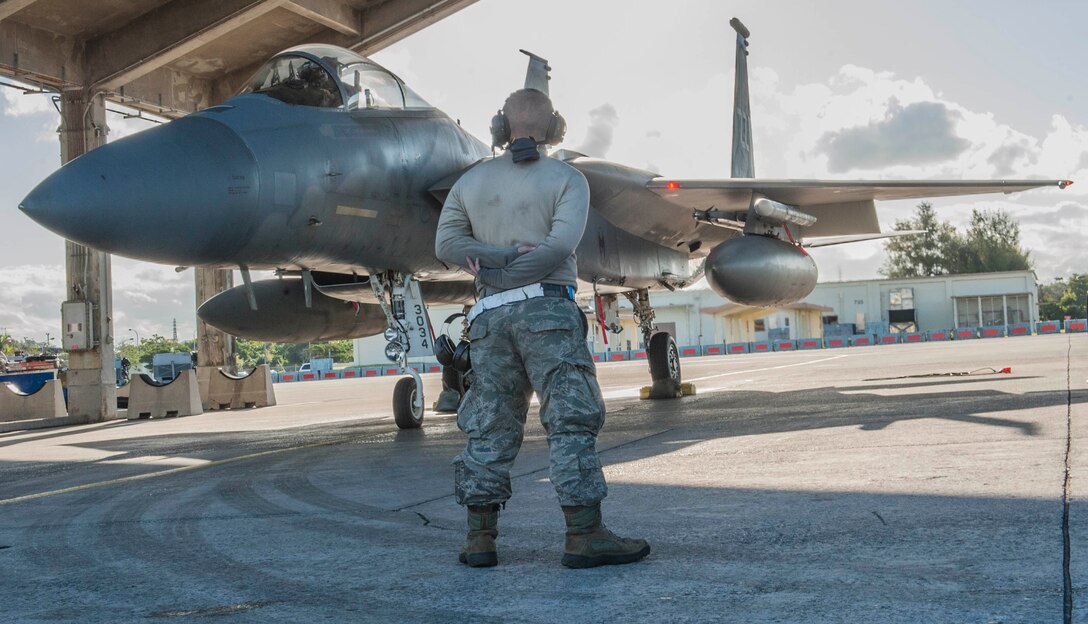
{"type": "Point", "coordinates": [880, 89]}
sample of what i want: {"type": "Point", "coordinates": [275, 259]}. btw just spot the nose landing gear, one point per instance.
{"type": "Point", "coordinates": [409, 334]}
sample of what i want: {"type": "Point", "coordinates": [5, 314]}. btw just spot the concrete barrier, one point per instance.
{"type": "Point", "coordinates": [836, 342]}
{"type": "Point", "coordinates": [350, 373]}
{"type": "Point", "coordinates": [736, 347]}
{"type": "Point", "coordinates": [1048, 327]}
{"type": "Point", "coordinates": [618, 356]}
{"type": "Point", "coordinates": [913, 337]}
{"type": "Point", "coordinates": [122, 396]}
{"type": "Point", "coordinates": [330, 375]}
{"type": "Point", "coordinates": [761, 347]}
{"type": "Point", "coordinates": [308, 376]}
{"type": "Point", "coordinates": [1020, 329]}
{"type": "Point", "coordinates": [220, 390]}
{"type": "Point", "coordinates": [806, 344]}
{"type": "Point", "coordinates": [180, 397]}
{"type": "Point", "coordinates": [997, 331]}
{"type": "Point", "coordinates": [785, 345]}
{"type": "Point", "coordinates": [288, 377]}
{"type": "Point", "coordinates": [861, 341]}
{"type": "Point", "coordinates": [715, 349]}
{"type": "Point", "coordinates": [887, 339]}
{"type": "Point", "coordinates": [1076, 326]}
{"type": "Point", "coordinates": [371, 372]}
{"type": "Point", "coordinates": [689, 351]}
{"type": "Point", "coordinates": [639, 354]}
{"type": "Point", "coordinates": [45, 402]}
{"type": "Point", "coordinates": [965, 333]}
{"type": "Point", "coordinates": [935, 335]}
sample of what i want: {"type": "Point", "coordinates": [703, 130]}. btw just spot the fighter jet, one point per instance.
{"type": "Point", "coordinates": [329, 170]}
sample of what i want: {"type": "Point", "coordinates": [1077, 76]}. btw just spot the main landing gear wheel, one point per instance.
{"type": "Point", "coordinates": [664, 359]}
{"type": "Point", "coordinates": [405, 412]}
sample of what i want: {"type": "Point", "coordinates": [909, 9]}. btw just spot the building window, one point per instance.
{"type": "Point", "coordinates": [967, 312]}
{"type": "Point", "coordinates": [993, 310]}
{"type": "Point", "coordinates": [760, 325]}
{"type": "Point", "coordinates": [1017, 310]}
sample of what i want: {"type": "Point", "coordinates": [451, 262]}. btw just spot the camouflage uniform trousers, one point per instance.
{"type": "Point", "coordinates": [534, 345]}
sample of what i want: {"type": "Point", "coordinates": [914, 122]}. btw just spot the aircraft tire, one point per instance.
{"type": "Point", "coordinates": [405, 414]}
{"type": "Point", "coordinates": [664, 358]}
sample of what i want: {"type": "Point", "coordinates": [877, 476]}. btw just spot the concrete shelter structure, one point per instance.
{"type": "Point", "coordinates": [169, 58]}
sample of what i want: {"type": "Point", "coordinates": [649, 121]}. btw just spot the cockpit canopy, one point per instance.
{"type": "Point", "coordinates": [331, 77]}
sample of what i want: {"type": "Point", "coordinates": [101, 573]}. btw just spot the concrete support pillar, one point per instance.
{"type": "Point", "coordinates": [92, 391]}
{"type": "Point", "coordinates": [214, 348]}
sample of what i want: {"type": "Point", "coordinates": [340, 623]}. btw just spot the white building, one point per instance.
{"type": "Point", "coordinates": [698, 316]}
{"type": "Point", "coordinates": [942, 302]}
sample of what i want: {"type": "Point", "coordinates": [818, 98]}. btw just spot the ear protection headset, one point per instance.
{"type": "Point", "coordinates": [447, 353]}
{"type": "Point", "coordinates": [500, 130]}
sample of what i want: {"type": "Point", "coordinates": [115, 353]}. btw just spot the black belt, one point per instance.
{"type": "Point", "coordinates": [558, 290]}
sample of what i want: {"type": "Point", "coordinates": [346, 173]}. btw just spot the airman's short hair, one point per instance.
{"type": "Point", "coordinates": [529, 113]}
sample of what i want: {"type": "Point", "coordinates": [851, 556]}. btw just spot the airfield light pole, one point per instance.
{"type": "Point", "coordinates": [137, 336]}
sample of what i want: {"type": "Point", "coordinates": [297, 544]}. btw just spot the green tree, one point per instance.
{"type": "Point", "coordinates": [921, 254]}
{"type": "Point", "coordinates": [1062, 298]}
{"type": "Point", "coordinates": [991, 243]}
{"type": "Point", "coordinates": [147, 348]}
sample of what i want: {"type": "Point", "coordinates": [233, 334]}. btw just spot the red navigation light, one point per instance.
{"type": "Point", "coordinates": [1064, 183]}
{"type": "Point", "coordinates": [672, 185]}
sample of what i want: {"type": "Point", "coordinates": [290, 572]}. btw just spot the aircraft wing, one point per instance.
{"type": "Point", "coordinates": [842, 207]}
{"type": "Point", "coordinates": [698, 194]}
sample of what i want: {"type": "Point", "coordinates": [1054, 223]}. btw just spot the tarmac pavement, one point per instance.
{"type": "Point", "coordinates": [794, 487]}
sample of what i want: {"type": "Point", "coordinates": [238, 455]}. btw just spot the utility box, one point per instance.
{"type": "Point", "coordinates": [75, 318]}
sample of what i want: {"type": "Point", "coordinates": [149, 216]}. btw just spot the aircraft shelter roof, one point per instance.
{"type": "Point", "coordinates": [172, 57]}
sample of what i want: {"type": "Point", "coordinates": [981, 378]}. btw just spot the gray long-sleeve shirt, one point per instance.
{"type": "Point", "coordinates": [500, 205]}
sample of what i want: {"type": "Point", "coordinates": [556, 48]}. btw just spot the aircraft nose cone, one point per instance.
{"type": "Point", "coordinates": [178, 194]}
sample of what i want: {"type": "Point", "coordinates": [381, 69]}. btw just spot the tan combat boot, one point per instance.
{"type": "Point", "coordinates": [479, 550]}
{"type": "Point", "coordinates": [589, 544]}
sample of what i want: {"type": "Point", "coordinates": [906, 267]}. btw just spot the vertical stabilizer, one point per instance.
{"type": "Point", "coordinates": [743, 156]}
{"type": "Point", "coordinates": [536, 75]}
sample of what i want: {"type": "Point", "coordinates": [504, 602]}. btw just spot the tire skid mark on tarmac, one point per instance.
{"type": "Point", "coordinates": [240, 493]}
{"type": "Point", "coordinates": [49, 544]}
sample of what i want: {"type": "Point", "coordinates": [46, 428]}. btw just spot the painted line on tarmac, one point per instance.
{"type": "Point", "coordinates": [163, 473]}
{"type": "Point", "coordinates": [759, 370]}
{"type": "Point", "coordinates": [633, 391]}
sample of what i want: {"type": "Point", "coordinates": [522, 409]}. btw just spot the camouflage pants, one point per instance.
{"type": "Point", "coordinates": [535, 345]}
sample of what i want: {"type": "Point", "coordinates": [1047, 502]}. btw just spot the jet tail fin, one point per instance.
{"type": "Point", "coordinates": [743, 165]}
{"type": "Point", "coordinates": [536, 74]}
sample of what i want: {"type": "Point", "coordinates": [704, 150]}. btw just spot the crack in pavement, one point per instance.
{"type": "Point", "coordinates": [1067, 576]}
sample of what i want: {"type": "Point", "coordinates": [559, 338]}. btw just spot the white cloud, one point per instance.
{"type": "Point", "coordinates": [147, 298]}
{"type": "Point", "coordinates": [685, 132]}
{"type": "Point", "coordinates": [600, 131]}
{"type": "Point", "coordinates": [19, 104]}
